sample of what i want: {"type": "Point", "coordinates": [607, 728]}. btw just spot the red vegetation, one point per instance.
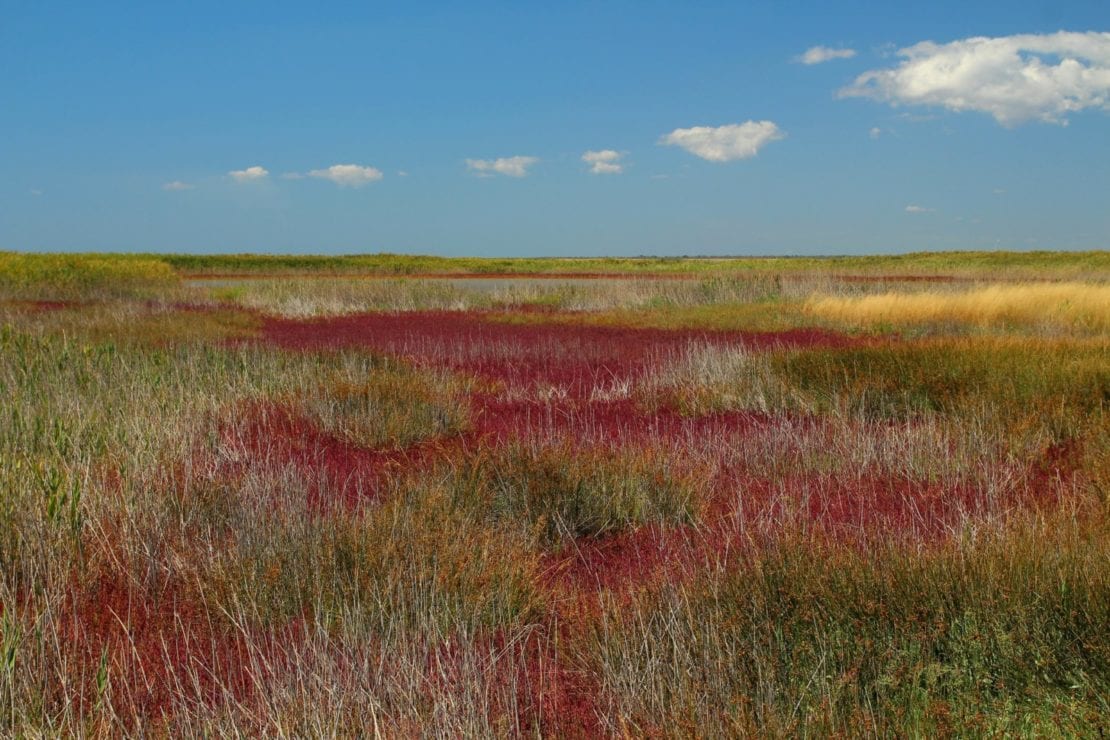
{"type": "Point", "coordinates": [562, 380]}
{"type": "Point", "coordinates": [548, 382]}
{"type": "Point", "coordinates": [204, 275]}
{"type": "Point", "coordinates": [42, 306]}
{"type": "Point", "coordinates": [342, 474]}
{"type": "Point", "coordinates": [550, 697]}
{"type": "Point", "coordinates": [577, 358]}
{"type": "Point", "coordinates": [155, 643]}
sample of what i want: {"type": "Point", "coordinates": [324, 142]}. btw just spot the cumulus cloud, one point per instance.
{"type": "Point", "coordinates": [348, 175]}
{"type": "Point", "coordinates": [913, 208]}
{"type": "Point", "coordinates": [511, 166]}
{"type": "Point", "coordinates": [177, 185]}
{"type": "Point", "coordinates": [1042, 77]}
{"type": "Point", "coordinates": [725, 143]}
{"type": "Point", "coordinates": [604, 162]}
{"type": "Point", "coordinates": [250, 174]}
{"type": "Point", "coordinates": [822, 54]}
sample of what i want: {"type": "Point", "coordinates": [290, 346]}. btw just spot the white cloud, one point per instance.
{"type": "Point", "coordinates": [822, 54]}
{"type": "Point", "coordinates": [177, 185]}
{"type": "Point", "coordinates": [511, 166]}
{"type": "Point", "coordinates": [36, 192]}
{"type": "Point", "coordinates": [249, 174]}
{"type": "Point", "coordinates": [1041, 77]}
{"type": "Point", "coordinates": [875, 132]}
{"type": "Point", "coordinates": [725, 143]}
{"type": "Point", "coordinates": [348, 175]}
{"type": "Point", "coordinates": [912, 208]}
{"type": "Point", "coordinates": [604, 162]}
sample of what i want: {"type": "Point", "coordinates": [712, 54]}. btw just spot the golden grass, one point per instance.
{"type": "Point", "coordinates": [1072, 305]}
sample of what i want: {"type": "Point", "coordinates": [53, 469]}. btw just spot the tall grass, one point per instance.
{"type": "Point", "coordinates": [389, 406]}
{"type": "Point", "coordinates": [304, 297]}
{"type": "Point", "coordinates": [1081, 306]}
{"type": "Point", "coordinates": [566, 492]}
{"type": "Point", "coordinates": [1003, 633]}
{"type": "Point", "coordinates": [119, 498]}
{"type": "Point", "coordinates": [82, 276]}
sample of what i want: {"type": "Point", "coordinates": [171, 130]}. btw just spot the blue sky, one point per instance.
{"type": "Point", "coordinates": [467, 123]}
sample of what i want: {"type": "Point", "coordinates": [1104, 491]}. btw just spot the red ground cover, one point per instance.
{"type": "Point", "coordinates": [571, 363]}
{"type": "Point", "coordinates": [157, 645]}
{"type": "Point", "coordinates": [579, 360]}
{"type": "Point", "coordinates": [42, 305]}
{"type": "Point", "coordinates": [576, 357]}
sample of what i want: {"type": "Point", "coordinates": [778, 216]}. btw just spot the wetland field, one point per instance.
{"type": "Point", "coordinates": [415, 496]}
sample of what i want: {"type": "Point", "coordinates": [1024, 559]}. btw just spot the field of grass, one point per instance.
{"type": "Point", "coordinates": [1029, 264]}
{"type": "Point", "coordinates": [351, 496]}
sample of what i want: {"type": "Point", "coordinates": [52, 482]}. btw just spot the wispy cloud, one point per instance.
{"type": "Point", "coordinates": [36, 192]}
{"type": "Point", "coordinates": [177, 185]}
{"type": "Point", "coordinates": [822, 54]}
{"type": "Point", "coordinates": [348, 175]}
{"type": "Point", "coordinates": [604, 162]}
{"type": "Point", "coordinates": [1042, 77]}
{"type": "Point", "coordinates": [510, 166]}
{"type": "Point", "coordinates": [725, 143]}
{"type": "Point", "coordinates": [875, 132]}
{"type": "Point", "coordinates": [914, 208]}
{"type": "Point", "coordinates": [250, 174]}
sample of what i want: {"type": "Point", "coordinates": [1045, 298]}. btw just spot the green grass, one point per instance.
{"type": "Point", "coordinates": [418, 563]}
{"type": "Point", "coordinates": [899, 378]}
{"type": "Point", "coordinates": [82, 276]}
{"type": "Point", "coordinates": [65, 268]}
{"type": "Point", "coordinates": [920, 262]}
{"type": "Point", "coordinates": [1000, 634]}
{"type": "Point", "coordinates": [561, 492]}
{"type": "Point", "coordinates": [386, 406]}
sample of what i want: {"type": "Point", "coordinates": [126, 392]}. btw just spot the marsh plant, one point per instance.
{"type": "Point", "coordinates": [766, 498]}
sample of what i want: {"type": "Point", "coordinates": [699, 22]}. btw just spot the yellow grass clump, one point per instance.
{"type": "Point", "coordinates": [1072, 305]}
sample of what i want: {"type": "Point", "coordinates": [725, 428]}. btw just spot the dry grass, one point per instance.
{"type": "Point", "coordinates": [1075, 306]}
